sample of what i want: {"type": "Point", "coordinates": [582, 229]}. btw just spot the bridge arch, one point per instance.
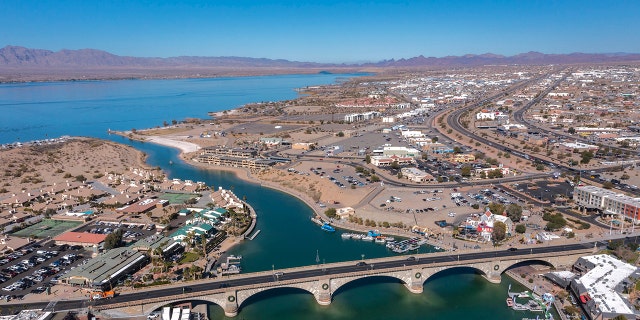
{"type": "Point", "coordinates": [529, 262]}
{"type": "Point", "coordinates": [245, 299]}
{"type": "Point", "coordinates": [454, 269]}
{"type": "Point", "coordinates": [341, 285]}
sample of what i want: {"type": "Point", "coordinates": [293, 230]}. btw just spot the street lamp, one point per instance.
{"type": "Point", "coordinates": [362, 255]}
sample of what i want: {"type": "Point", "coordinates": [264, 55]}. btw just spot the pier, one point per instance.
{"type": "Point", "coordinates": [254, 235]}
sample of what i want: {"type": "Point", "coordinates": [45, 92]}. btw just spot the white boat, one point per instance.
{"type": "Point", "coordinates": [367, 238]}
{"type": "Point", "coordinates": [175, 313]}
{"type": "Point", "coordinates": [380, 240]}
{"type": "Point", "coordinates": [186, 314]}
{"type": "Point", "coordinates": [390, 239]}
{"type": "Point", "coordinates": [346, 236]}
{"type": "Point", "coordinates": [166, 313]}
{"type": "Point", "coordinates": [356, 236]}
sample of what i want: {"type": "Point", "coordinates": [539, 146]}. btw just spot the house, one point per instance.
{"type": "Point", "coordinates": [345, 212]}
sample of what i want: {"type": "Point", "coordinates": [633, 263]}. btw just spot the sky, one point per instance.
{"type": "Point", "coordinates": [330, 31]}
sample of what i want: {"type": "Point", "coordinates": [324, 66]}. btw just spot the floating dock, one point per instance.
{"type": "Point", "coordinates": [254, 235]}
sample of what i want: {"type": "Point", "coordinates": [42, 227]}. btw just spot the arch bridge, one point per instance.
{"type": "Point", "coordinates": [322, 281]}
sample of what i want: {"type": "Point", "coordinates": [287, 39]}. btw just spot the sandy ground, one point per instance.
{"type": "Point", "coordinates": [173, 142]}
{"type": "Point", "coordinates": [33, 167]}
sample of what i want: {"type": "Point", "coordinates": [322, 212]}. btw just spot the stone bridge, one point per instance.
{"type": "Point", "coordinates": [323, 287]}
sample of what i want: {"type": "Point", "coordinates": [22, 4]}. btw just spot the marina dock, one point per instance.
{"type": "Point", "coordinates": [254, 235]}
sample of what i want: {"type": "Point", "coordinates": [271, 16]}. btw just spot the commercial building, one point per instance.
{"type": "Point", "coordinates": [463, 158]}
{"type": "Point", "coordinates": [416, 175]}
{"type": "Point", "coordinates": [354, 117]}
{"type": "Point", "coordinates": [608, 202]}
{"type": "Point", "coordinates": [84, 239]}
{"type": "Point", "coordinates": [383, 161]}
{"type": "Point", "coordinates": [601, 284]}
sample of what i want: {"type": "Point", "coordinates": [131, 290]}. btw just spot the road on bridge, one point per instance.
{"type": "Point", "coordinates": [261, 278]}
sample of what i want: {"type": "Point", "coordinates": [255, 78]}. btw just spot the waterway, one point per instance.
{"type": "Point", "coordinates": [288, 238]}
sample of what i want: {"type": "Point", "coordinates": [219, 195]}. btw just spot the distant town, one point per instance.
{"type": "Point", "coordinates": [504, 158]}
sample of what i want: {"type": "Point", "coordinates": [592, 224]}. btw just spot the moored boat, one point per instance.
{"type": "Point", "coordinates": [367, 238]}
{"type": "Point", "coordinates": [346, 236]}
{"type": "Point", "coordinates": [327, 227]}
{"type": "Point", "coordinates": [509, 302]}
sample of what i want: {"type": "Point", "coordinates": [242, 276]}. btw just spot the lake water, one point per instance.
{"type": "Point", "coordinates": [288, 238]}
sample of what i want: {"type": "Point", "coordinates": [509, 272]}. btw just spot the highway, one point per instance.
{"type": "Point", "coordinates": [250, 279]}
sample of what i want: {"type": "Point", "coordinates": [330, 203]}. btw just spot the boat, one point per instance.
{"type": "Point", "coordinates": [186, 314]}
{"type": "Point", "coordinates": [232, 266]}
{"type": "Point", "coordinates": [175, 313]}
{"type": "Point", "coordinates": [367, 238]}
{"type": "Point", "coordinates": [166, 313]}
{"type": "Point", "coordinates": [509, 302]}
{"type": "Point", "coordinates": [380, 240]}
{"type": "Point", "coordinates": [374, 233]}
{"type": "Point", "coordinates": [346, 236]}
{"type": "Point", "coordinates": [327, 227]}
{"type": "Point", "coordinates": [356, 236]}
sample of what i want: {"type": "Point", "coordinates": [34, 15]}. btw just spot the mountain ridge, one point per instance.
{"type": "Point", "coordinates": [16, 56]}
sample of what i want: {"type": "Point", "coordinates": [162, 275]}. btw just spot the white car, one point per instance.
{"type": "Point", "coordinates": [452, 214]}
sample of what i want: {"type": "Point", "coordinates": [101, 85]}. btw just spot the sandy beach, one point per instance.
{"type": "Point", "coordinates": [184, 146]}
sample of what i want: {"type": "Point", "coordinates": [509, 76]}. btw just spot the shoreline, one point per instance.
{"type": "Point", "coordinates": [246, 175]}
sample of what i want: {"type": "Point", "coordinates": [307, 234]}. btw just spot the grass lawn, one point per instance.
{"type": "Point", "coordinates": [189, 257]}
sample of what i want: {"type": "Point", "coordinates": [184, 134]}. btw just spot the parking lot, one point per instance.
{"type": "Point", "coordinates": [130, 231]}
{"type": "Point", "coordinates": [37, 267]}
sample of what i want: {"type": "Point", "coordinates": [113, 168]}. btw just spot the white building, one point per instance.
{"type": "Point", "coordinates": [600, 287]}
{"type": "Point", "coordinates": [354, 117]}
{"type": "Point", "coordinates": [412, 134]}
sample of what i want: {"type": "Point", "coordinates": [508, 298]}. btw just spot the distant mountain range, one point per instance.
{"type": "Point", "coordinates": [20, 64]}
{"type": "Point", "coordinates": [13, 56]}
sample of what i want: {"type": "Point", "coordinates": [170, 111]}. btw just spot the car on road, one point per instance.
{"type": "Point", "coordinates": [411, 258]}
{"type": "Point", "coordinates": [361, 264]}
{"type": "Point", "coordinates": [513, 249]}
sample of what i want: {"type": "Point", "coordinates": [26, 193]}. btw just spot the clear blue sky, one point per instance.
{"type": "Point", "coordinates": [323, 31]}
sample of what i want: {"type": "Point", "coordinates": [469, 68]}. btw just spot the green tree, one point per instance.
{"type": "Point", "coordinates": [586, 156]}
{"type": "Point", "coordinates": [113, 240]}
{"type": "Point", "coordinates": [496, 208]}
{"type": "Point", "coordinates": [340, 134]}
{"type": "Point", "coordinates": [367, 159]}
{"type": "Point", "coordinates": [331, 213]}
{"type": "Point", "coordinates": [465, 171]}
{"type": "Point", "coordinates": [571, 130]}
{"type": "Point", "coordinates": [375, 178]}
{"type": "Point", "coordinates": [521, 228]}
{"type": "Point", "coordinates": [499, 231]}
{"type": "Point", "coordinates": [514, 212]}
